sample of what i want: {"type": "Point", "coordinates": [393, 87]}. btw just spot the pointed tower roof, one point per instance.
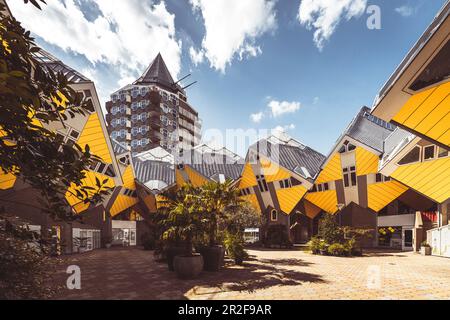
{"type": "Point", "coordinates": [157, 72]}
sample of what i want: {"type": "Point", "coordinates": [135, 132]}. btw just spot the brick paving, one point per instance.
{"type": "Point", "coordinates": [126, 273]}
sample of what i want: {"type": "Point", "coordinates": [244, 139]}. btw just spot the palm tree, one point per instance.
{"type": "Point", "coordinates": [218, 198]}
{"type": "Point", "coordinates": [184, 215]}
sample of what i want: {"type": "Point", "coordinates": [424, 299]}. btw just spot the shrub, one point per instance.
{"type": "Point", "coordinates": [425, 244]}
{"type": "Point", "coordinates": [234, 244]}
{"type": "Point", "coordinates": [329, 230]}
{"type": "Point", "coordinates": [26, 268]}
{"type": "Point", "coordinates": [336, 249]}
{"type": "Point", "coordinates": [277, 235]}
{"type": "Point", "coordinates": [349, 247]}
{"type": "Point", "coordinates": [323, 246]}
{"type": "Point", "coordinates": [314, 245]}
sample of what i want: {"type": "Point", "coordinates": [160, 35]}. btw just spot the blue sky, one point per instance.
{"type": "Point", "coordinates": [250, 57]}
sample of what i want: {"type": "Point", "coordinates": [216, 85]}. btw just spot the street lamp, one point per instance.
{"type": "Point", "coordinates": [340, 206]}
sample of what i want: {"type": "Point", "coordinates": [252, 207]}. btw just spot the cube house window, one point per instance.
{"type": "Point", "coordinates": [274, 215]}
{"type": "Point", "coordinates": [262, 183]}
{"type": "Point", "coordinates": [428, 152]}
{"type": "Point", "coordinates": [442, 153]}
{"type": "Point", "coordinates": [411, 157]}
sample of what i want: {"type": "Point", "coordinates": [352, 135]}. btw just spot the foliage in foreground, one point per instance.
{"type": "Point", "coordinates": [26, 267]}
{"type": "Point", "coordinates": [335, 240]}
{"type": "Point", "coordinates": [31, 97]}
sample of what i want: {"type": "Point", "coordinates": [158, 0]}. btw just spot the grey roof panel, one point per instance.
{"type": "Point", "coordinates": [56, 65]}
{"type": "Point", "coordinates": [230, 171]}
{"type": "Point", "coordinates": [290, 156]}
{"type": "Point", "coordinates": [118, 147]}
{"type": "Point", "coordinates": [369, 130]}
{"type": "Point", "coordinates": [153, 170]}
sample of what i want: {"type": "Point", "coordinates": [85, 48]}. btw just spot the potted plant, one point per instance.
{"type": "Point", "coordinates": [171, 249]}
{"type": "Point", "coordinates": [425, 249]}
{"type": "Point", "coordinates": [216, 199]}
{"type": "Point", "coordinates": [185, 220]}
{"type": "Point", "coordinates": [107, 240]}
{"type": "Point", "coordinates": [170, 244]}
{"type": "Point", "coordinates": [81, 244]}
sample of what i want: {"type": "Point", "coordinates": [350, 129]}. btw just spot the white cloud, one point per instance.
{"type": "Point", "coordinates": [316, 100]}
{"type": "Point", "coordinates": [232, 29]}
{"type": "Point", "coordinates": [257, 117]}
{"type": "Point", "coordinates": [197, 57]}
{"type": "Point", "coordinates": [126, 35]}
{"type": "Point", "coordinates": [283, 129]}
{"type": "Point", "coordinates": [405, 11]}
{"type": "Point", "coordinates": [325, 15]}
{"type": "Point", "coordinates": [279, 108]}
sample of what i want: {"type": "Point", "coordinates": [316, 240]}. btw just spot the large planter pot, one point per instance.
{"type": "Point", "coordinates": [171, 252]}
{"type": "Point", "coordinates": [213, 258]}
{"type": "Point", "coordinates": [188, 267]}
{"type": "Point", "coordinates": [107, 245]}
{"type": "Point", "coordinates": [426, 251]}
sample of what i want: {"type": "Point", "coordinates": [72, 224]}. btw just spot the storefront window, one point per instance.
{"type": "Point", "coordinates": [390, 237]}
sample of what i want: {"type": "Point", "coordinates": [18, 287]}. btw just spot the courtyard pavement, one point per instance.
{"type": "Point", "coordinates": [132, 273]}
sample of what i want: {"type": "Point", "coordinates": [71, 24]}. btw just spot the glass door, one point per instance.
{"type": "Point", "coordinates": [132, 237]}
{"type": "Point", "coordinates": [407, 239]}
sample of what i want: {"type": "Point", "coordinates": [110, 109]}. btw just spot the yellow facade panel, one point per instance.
{"type": "Point", "coordinates": [440, 129]}
{"type": "Point", "coordinates": [379, 195]}
{"type": "Point", "coordinates": [311, 210]}
{"type": "Point", "coordinates": [179, 178]}
{"type": "Point", "coordinates": [431, 178]}
{"type": "Point", "coordinates": [288, 198]}
{"type": "Point", "coordinates": [248, 177]}
{"type": "Point", "coordinates": [196, 179]}
{"type": "Point", "coordinates": [272, 171]}
{"type": "Point", "coordinates": [94, 136]}
{"type": "Point", "coordinates": [89, 180]}
{"type": "Point", "coordinates": [326, 200]}
{"type": "Point", "coordinates": [122, 203]}
{"type": "Point", "coordinates": [150, 203]}
{"type": "Point", "coordinates": [366, 162]}
{"type": "Point", "coordinates": [442, 108]}
{"type": "Point", "coordinates": [445, 138]}
{"type": "Point", "coordinates": [412, 105]}
{"type": "Point", "coordinates": [128, 178]}
{"type": "Point", "coordinates": [332, 171]}
{"type": "Point", "coordinates": [251, 198]}
{"type": "Point", "coordinates": [426, 108]}
{"type": "Point", "coordinates": [7, 181]}
{"type": "Point", "coordinates": [428, 113]}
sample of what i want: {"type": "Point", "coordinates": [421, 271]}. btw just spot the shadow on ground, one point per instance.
{"type": "Point", "coordinates": [253, 275]}
{"type": "Point", "coordinates": [133, 274]}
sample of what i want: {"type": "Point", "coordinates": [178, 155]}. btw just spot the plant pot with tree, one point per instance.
{"type": "Point", "coordinates": [216, 199]}
{"type": "Point", "coordinates": [185, 220]}
{"type": "Point", "coordinates": [107, 241]}
{"type": "Point", "coordinates": [425, 249]}
{"type": "Point", "coordinates": [81, 244]}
